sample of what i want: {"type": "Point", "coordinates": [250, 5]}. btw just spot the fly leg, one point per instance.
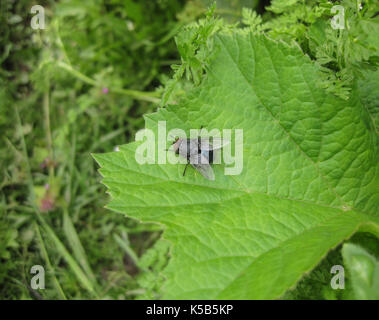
{"type": "Point", "coordinates": [184, 172]}
{"type": "Point", "coordinates": [199, 140]}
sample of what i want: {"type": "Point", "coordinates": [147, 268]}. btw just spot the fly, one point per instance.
{"type": "Point", "coordinates": [199, 153]}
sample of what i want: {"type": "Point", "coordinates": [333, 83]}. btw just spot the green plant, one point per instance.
{"type": "Point", "coordinates": [63, 95]}
{"type": "Point", "coordinates": [82, 86]}
{"type": "Point", "coordinates": [364, 271]}
{"type": "Point", "coordinates": [310, 178]}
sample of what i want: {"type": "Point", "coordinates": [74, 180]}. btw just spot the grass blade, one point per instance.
{"type": "Point", "coordinates": [76, 246]}
{"type": "Point", "coordinates": [47, 259]}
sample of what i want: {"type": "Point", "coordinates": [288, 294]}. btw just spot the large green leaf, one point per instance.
{"type": "Point", "coordinates": [310, 177]}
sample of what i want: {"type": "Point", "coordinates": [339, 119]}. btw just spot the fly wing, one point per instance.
{"type": "Point", "coordinates": [213, 144]}
{"type": "Point", "coordinates": [201, 164]}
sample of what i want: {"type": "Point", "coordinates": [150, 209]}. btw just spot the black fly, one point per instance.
{"type": "Point", "coordinates": [199, 152]}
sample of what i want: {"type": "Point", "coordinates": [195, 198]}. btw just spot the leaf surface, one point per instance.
{"type": "Point", "coordinates": [309, 181]}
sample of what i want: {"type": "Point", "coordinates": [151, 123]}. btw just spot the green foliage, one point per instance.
{"type": "Point", "coordinates": [252, 20]}
{"type": "Point", "coordinates": [153, 263]}
{"type": "Point", "coordinates": [254, 235]}
{"type": "Point", "coordinates": [82, 85]}
{"type": "Point", "coordinates": [194, 48]}
{"type": "Point", "coordinates": [316, 285]}
{"type": "Point", "coordinates": [364, 271]}
{"type": "Point", "coordinates": [369, 93]}
{"type": "Point", "coordinates": [342, 53]}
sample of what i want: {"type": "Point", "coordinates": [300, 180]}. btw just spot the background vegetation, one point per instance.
{"type": "Point", "coordinates": [81, 86]}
